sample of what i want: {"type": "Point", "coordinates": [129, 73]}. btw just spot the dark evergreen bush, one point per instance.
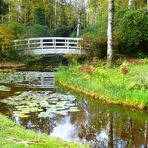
{"type": "Point", "coordinates": [133, 31]}
{"type": "Point", "coordinates": [62, 31]}
{"type": "Point", "coordinates": [39, 16]}
{"type": "Point", "coordinates": [38, 30]}
{"type": "Point", "coordinates": [18, 30]}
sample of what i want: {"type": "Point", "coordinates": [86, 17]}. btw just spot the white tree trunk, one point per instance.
{"type": "Point", "coordinates": [87, 18]}
{"type": "Point", "coordinates": [147, 6]}
{"type": "Point", "coordinates": [110, 33]}
{"type": "Point", "coordinates": [95, 16]}
{"type": "Point", "coordinates": [55, 12]}
{"type": "Point", "coordinates": [130, 3]}
{"type": "Point", "coordinates": [78, 26]}
{"type": "Point", "coordinates": [2, 19]}
{"type": "Point", "coordinates": [9, 17]}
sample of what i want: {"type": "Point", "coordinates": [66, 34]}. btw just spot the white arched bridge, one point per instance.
{"type": "Point", "coordinates": [49, 45]}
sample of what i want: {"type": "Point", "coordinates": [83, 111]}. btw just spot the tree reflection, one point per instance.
{"type": "Point", "coordinates": [146, 134]}
{"type": "Point", "coordinates": [110, 130]}
{"type": "Point", "coordinates": [99, 125]}
{"type": "Point", "coordinates": [130, 140]}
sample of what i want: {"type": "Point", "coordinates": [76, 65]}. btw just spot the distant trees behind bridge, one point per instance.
{"type": "Point", "coordinates": [78, 18]}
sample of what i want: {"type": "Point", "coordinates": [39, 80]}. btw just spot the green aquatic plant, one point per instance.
{"type": "Point", "coordinates": [44, 103]}
{"type": "Point", "coordinates": [19, 77]}
{"type": "Point", "coordinates": [4, 88]}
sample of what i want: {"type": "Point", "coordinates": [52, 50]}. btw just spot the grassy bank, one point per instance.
{"type": "Point", "coordinates": [126, 85]}
{"type": "Point", "coordinates": [12, 136]}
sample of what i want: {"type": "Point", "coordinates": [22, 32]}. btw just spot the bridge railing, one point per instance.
{"type": "Point", "coordinates": [50, 44]}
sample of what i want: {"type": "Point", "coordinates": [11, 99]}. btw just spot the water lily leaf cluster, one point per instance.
{"type": "Point", "coordinates": [19, 77]}
{"type": "Point", "coordinates": [4, 88]}
{"type": "Point", "coordinates": [43, 103]}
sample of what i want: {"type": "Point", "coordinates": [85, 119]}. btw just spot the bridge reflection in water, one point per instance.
{"type": "Point", "coordinates": [36, 80]}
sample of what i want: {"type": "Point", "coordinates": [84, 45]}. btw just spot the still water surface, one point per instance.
{"type": "Point", "coordinates": [93, 123]}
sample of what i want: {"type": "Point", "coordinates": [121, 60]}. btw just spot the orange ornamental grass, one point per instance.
{"type": "Point", "coordinates": [124, 70]}
{"type": "Point", "coordinates": [133, 60]}
{"type": "Point", "coordinates": [87, 69]}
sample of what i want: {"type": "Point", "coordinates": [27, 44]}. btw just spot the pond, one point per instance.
{"type": "Point", "coordinates": [33, 100]}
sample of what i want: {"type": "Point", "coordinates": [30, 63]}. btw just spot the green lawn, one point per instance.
{"type": "Point", "coordinates": [109, 85]}
{"type": "Point", "coordinates": [14, 136]}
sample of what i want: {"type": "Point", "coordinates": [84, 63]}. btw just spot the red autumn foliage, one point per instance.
{"type": "Point", "coordinates": [87, 69]}
{"type": "Point", "coordinates": [124, 70]}
{"type": "Point", "coordinates": [137, 61]}
{"type": "Point", "coordinates": [133, 60]}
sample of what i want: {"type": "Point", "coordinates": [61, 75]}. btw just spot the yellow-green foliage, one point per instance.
{"type": "Point", "coordinates": [6, 37]}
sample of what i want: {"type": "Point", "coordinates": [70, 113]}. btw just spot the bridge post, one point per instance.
{"type": "Point", "coordinates": [28, 44]}
{"type": "Point", "coordinates": [15, 44]}
{"type": "Point", "coordinates": [65, 43]}
{"type": "Point", "coordinates": [54, 44]}
{"type": "Point", "coordinates": [68, 44]}
{"type": "Point", "coordinates": [41, 44]}
{"type": "Point", "coordinates": [80, 46]}
{"type": "Point", "coordinates": [80, 49]}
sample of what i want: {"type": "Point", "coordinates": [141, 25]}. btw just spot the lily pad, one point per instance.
{"type": "Point", "coordinates": [54, 99]}
{"type": "Point", "coordinates": [4, 88]}
{"type": "Point", "coordinates": [43, 115]}
{"type": "Point", "coordinates": [62, 113]}
{"type": "Point", "coordinates": [74, 109]}
{"type": "Point", "coordinates": [41, 102]}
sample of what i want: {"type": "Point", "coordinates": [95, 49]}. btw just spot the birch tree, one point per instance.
{"type": "Point", "coordinates": [147, 6]}
{"type": "Point", "coordinates": [9, 17]}
{"type": "Point", "coordinates": [94, 4]}
{"type": "Point", "coordinates": [80, 9]}
{"type": "Point", "coordinates": [130, 3]}
{"type": "Point", "coordinates": [79, 5]}
{"type": "Point", "coordinates": [3, 10]}
{"type": "Point", "coordinates": [110, 33]}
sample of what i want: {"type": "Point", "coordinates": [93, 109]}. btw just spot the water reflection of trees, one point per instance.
{"type": "Point", "coordinates": [110, 131]}
{"type": "Point", "coordinates": [41, 125]}
{"type": "Point", "coordinates": [132, 132]}
{"type": "Point", "coordinates": [120, 130]}
{"type": "Point", "coordinates": [101, 127]}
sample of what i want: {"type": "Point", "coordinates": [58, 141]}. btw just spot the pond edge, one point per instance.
{"type": "Point", "coordinates": [102, 99]}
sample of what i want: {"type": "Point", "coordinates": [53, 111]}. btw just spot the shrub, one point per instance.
{"type": "Point", "coordinates": [89, 43]}
{"type": "Point", "coordinates": [130, 34]}
{"type": "Point", "coordinates": [91, 29]}
{"type": "Point", "coordinates": [18, 30]}
{"type": "Point", "coordinates": [62, 31]}
{"type": "Point", "coordinates": [39, 16]}
{"type": "Point", "coordinates": [95, 46]}
{"type": "Point", "coordinates": [38, 31]}
{"type": "Point", "coordinates": [140, 81]}
{"type": "Point", "coordinates": [133, 31]}
{"type": "Point", "coordinates": [6, 38]}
